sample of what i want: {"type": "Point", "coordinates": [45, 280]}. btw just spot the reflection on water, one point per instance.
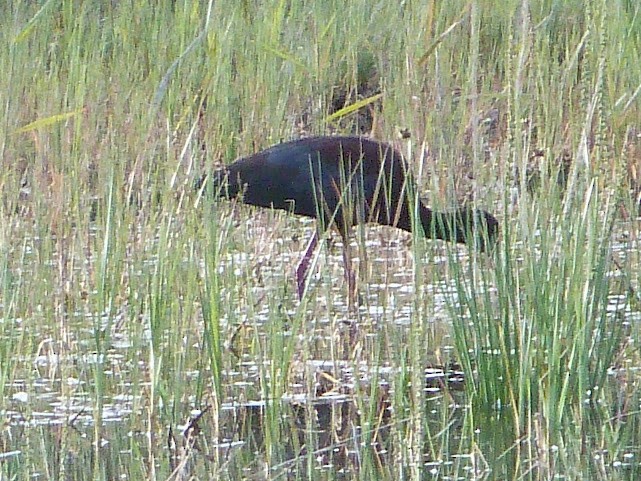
{"type": "Point", "coordinates": [327, 430]}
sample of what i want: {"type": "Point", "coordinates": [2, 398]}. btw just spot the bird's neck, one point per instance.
{"type": "Point", "coordinates": [448, 226]}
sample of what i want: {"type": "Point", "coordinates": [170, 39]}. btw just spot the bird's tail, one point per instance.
{"type": "Point", "coordinates": [215, 184]}
{"type": "Point", "coordinates": [200, 182]}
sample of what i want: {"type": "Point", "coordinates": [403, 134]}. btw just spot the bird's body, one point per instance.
{"type": "Point", "coordinates": [334, 178]}
{"type": "Point", "coordinates": [343, 181]}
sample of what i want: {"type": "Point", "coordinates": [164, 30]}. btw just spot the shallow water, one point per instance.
{"type": "Point", "coordinates": [341, 362]}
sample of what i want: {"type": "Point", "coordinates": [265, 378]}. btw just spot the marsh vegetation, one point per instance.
{"type": "Point", "coordinates": [147, 332]}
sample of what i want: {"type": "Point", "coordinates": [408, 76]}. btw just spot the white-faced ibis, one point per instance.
{"type": "Point", "coordinates": [344, 181]}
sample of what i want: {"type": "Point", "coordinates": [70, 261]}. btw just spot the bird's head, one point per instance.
{"type": "Point", "coordinates": [489, 231]}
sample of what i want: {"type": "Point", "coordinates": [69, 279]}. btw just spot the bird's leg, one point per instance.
{"type": "Point", "coordinates": [303, 265]}
{"type": "Point", "coordinates": [350, 277]}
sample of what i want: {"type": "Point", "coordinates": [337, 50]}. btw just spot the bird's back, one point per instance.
{"type": "Point", "coordinates": [344, 180]}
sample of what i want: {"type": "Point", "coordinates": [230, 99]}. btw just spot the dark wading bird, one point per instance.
{"type": "Point", "coordinates": [343, 181]}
